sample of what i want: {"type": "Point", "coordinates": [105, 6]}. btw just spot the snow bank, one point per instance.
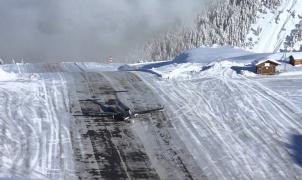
{"type": "Point", "coordinates": [189, 71]}
{"type": "Point", "coordinates": [225, 64]}
{"type": "Point", "coordinates": [181, 71]}
{"type": "Point", "coordinates": [248, 73]}
{"type": "Point", "coordinates": [5, 76]}
{"type": "Point", "coordinates": [293, 73]}
{"type": "Point", "coordinates": [202, 55]}
{"type": "Point", "coordinates": [205, 61]}
{"type": "Point", "coordinates": [210, 54]}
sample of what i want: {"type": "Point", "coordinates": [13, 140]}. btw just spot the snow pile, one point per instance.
{"type": "Point", "coordinates": [215, 61]}
{"type": "Point", "coordinates": [222, 67]}
{"type": "Point", "coordinates": [224, 64]}
{"type": "Point", "coordinates": [189, 71]}
{"type": "Point", "coordinates": [5, 76]}
{"type": "Point", "coordinates": [210, 54]}
{"type": "Point", "coordinates": [248, 73]}
{"type": "Point", "coordinates": [180, 71]}
{"type": "Point", "coordinates": [196, 63]}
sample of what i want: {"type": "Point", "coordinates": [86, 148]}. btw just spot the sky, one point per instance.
{"type": "Point", "coordinates": [86, 30]}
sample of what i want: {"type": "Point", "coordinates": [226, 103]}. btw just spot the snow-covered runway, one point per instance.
{"type": "Point", "coordinates": [51, 127]}
{"type": "Point", "coordinates": [216, 124]}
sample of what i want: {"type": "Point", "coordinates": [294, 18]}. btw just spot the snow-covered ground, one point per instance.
{"type": "Point", "coordinates": [52, 127]}
{"type": "Point", "coordinates": [220, 119]}
{"type": "Point", "coordinates": [272, 27]}
{"type": "Point", "coordinates": [235, 123]}
{"type": "Point", "coordinates": [34, 127]}
{"type": "Point", "coordinates": [237, 128]}
{"type": "Point", "coordinates": [200, 62]}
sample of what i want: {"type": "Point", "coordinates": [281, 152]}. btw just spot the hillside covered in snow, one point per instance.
{"type": "Point", "coordinates": [257, 25]}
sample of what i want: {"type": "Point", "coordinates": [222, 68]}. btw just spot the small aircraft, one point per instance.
{"type": "Point", "coordinates": [116, 109]}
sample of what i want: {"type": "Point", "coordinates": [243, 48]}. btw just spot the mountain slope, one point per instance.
{"type": "Point", "coordinates": [237, 23]}
{"type": "Point", "coordinates": [277, 30]}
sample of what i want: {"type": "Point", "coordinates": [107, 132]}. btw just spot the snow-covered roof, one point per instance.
{"type": "Point", "coordinates": [265, 60]}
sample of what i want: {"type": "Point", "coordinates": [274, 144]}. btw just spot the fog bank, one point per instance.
{"type": "Point", "coordinates": [92, 30]}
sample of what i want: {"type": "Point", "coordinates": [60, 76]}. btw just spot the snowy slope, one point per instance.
{"type": "Point", "coordinates": [235, 125]}
{"type": "Point", "coordinates": [236, 128]}
{"type": "Point", "coordinates": [273, 27]}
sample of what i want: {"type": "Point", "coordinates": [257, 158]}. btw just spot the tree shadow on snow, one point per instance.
{"type": "Point", "coordinates": [296, 148]}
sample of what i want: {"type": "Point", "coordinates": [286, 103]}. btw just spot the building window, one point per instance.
{"type": "Point", "coordinates": [266, 64]}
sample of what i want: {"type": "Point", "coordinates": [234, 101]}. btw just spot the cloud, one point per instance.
{"type": "Point", "coordinates": [91, 30]}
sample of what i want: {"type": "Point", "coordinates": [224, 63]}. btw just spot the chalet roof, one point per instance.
{"type": "Point", "coordinates": [266, 60]}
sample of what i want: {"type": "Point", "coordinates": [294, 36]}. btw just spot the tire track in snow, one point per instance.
{"type": "Point", "coordinates": [227, 98]}
{"type": "Point", "coordinates": [273, 131]}
{"type": "Point", "coordinates": [185, 129]}
{"type": "Point", "coordinates": [276, 100]}
{"type": "Point", "coordinates": [282, 108]}
{"type": "Point", "coordinates": [34, 128]}
{"type": "Point", "coordinates": [18, 125]}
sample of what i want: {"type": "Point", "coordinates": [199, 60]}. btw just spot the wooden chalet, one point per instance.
{"type": "Point", "coordinates": [266, 67]}
{"type": "Point", "coordinates": [295, 60]}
